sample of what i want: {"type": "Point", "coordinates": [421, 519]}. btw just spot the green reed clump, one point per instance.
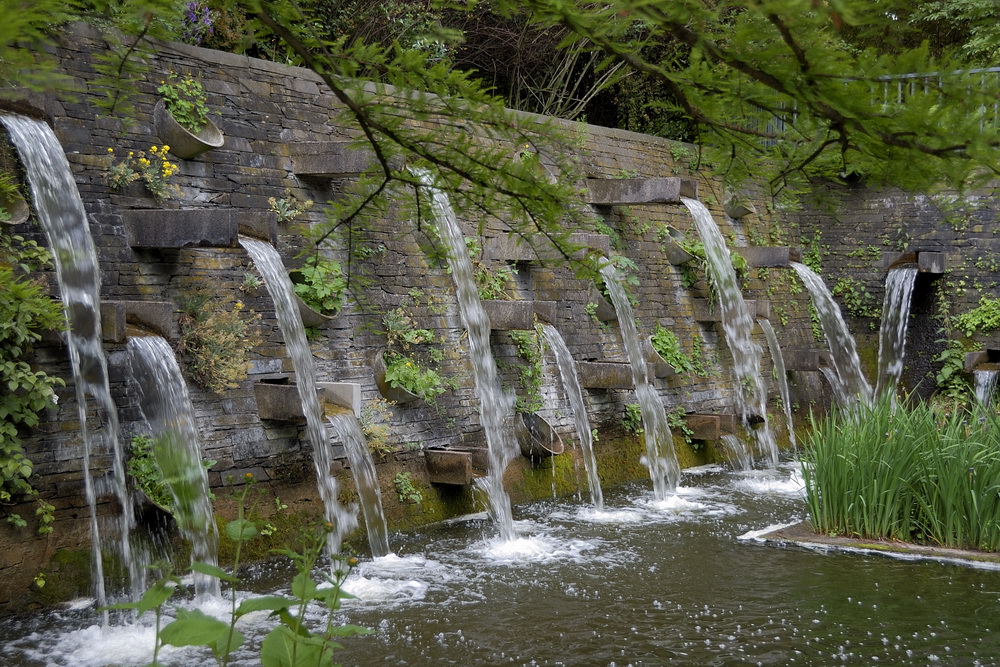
{"type": "Point", "coordinates": [906, 472]}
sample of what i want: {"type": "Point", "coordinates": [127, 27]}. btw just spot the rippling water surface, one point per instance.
{"type": "Point", "coordinates": [639, 582]}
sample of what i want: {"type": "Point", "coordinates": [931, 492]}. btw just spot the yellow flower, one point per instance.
{"type": "Point", "coordinates": [152, 149]}
{"type": "Point", "coordinates": [165, 148]}
{"type": "Point", "coordinates": [111, 150]}
{"type": "Point", "coordinates": [131, 153]}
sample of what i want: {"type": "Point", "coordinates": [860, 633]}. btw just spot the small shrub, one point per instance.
{"type": "Point", "coordinates": [632, 420]}
{"type": "Point", "coordinates": [184, 98]}
{"type": "Point", "coordinates": [323, 286]}
{"type": "Point", "coordinates": [216, 342]}
{"type": "Point", "coordinates": [375, 417]}
{"type": "Point", "coordinates": [405, 489]}
{"type": "Point", "coordinates": [665, 342]}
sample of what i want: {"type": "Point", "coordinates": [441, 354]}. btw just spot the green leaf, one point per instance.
{"type": "Point", "coordinates": [284, 648]}
{"type": "Point", "coordinates": [193, 627]}
{"type": "Point", "coordinates": [241, 530]}
{"type": "Point", "coordinates": [267, 603]}
{"type": "Point", "coordinates": [213, 571]}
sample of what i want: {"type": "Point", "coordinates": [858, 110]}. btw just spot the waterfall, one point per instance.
{"type": "Point", "coordinates": [279, 285]}
{"type": "Point", "coordinates": [778, 359]}
{"type": "Point", "coordinates": [850, 384]}
{"type": "Point", "coordinates": [495, 406]}
{"type": "Point", "coordinates": [738, 325]}
{"type": "Point", "coordinates": [571, 385]}
{"type": "Point", "coordinates": [64, 220]}
{"type": "Point", "coordinates": [166, 407]}
{"type": "Point", "coordinates": [895, 318]}
{"type": "Point", "coordinates": [985, 384]}
{"type": "Point", "coordinates": [660, 459]}
{"type": "Point", "coordinates": [365, 479]}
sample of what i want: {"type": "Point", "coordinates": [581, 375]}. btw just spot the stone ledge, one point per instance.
{"type": "Point", "coordinates": [626, 191]}
{"type": "Point", "coordinates": [330, 159]}
{"type": "Point", "coordinates": [604, 375]}
{"type": "Point", "coordinates": [181, 228]}
{"type": "Point", "coordinates": [759, 257]}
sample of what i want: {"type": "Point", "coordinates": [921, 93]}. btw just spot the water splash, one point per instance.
{"type": "Point", "coordinates": [365, 479]}
{"type": "Point", "coordinates": [850, 384]}
{"type": "Point", "coordinates": [778, 360]}
{"type": "Point", "coordinates": [985, 384]}
{"type": "Point", "coordinates": [279, 285]}
{"type": "Point", "coordinates": [64, 220]}
{"type": "Point", "coordinates": [660, 459]}
{"type": "Point", "coordinates": [166, 407]}
{"type": "Point", "coordinates": [571, 385]}
{"type": "Point", "coordinates": [899, 284]}
{"type": "Point", "coordinates": [495, 406]}
{"type": "Point", "coordinates": [751, 395]}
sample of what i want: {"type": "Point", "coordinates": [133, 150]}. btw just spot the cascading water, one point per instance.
{"type": "Point", "coordinates": [64, 220]}
{"type": "Point", "coordinates": [985, 384]}
{"type": "Point", "coordinates": [365, 479]}
{"type": "Point", "coordinates": [895, 318]}
{"type": "Point", "coordinates": [571, 385]}
{"type": "Point", "coordinates": [495, 406]}
{"type": "Point", "coordinates": [166, 407]}
{"type": "Point", "coordinates": [661, 459]}
{"type": "Point", "coordinates": [738, 326]}
{"type": "Point", "coordinates": [279, 285]}
{"type": "Point", "coordinates": [851, 384]}
{"type": "Point", "coordinates": [778, 360]}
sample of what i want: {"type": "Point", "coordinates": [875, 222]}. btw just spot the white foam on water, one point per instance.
{"type": "Point", "coordinates": [772, 482]}
{"type": "Point", "coordinates": [610, 516]}
{"type": "Point", "coordinates": [367, 589]}
{"type": "Point", "coordinates": [95, 646]}
{"type": "Point", "coordinates": [533, 549]}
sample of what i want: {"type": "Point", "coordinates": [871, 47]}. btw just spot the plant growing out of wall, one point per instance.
{"type": "Point", "coordinates": [9, 191]}
{"type": "Point", "coordinates": [984, 317]}
{"type": "Point", "coordinates": [632, 419]}
{"type": "Point", "coordinates": [289, 207]}
{"type": "Point", "coordinates": [321, 284]}
{"type": "Point", "coordinates": [666, 344]}
{"type": "Point", "coordinates": [153, 170]}
{"type": "Point", "coordinates": [26, 311]}
{"type": "Point", "coordinates": [406, 490]}
{"type": "Point", "coordinates": [216, 341]}
{"type": "Point", "coordinates": [184, 97]}
{"type": "Point", "coordinates": [375, 417]}
{"type": "Point", "coordinates": [407, 366]}
{"type": "Point", "coordinates": [530, 348]}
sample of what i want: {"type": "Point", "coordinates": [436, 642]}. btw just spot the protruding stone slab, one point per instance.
{"type": "Point", "coordinates": [931, 262]}
{"type": "Point", "coordinates": [345, 394]}
{"type": "Point", "coordinates": [801, 360]}
{"type": "Point", "coordinates": [508, 248]}
{"type": "Point", "coordinates": [703, 427]}
{"type": "Point", "coordinates": [113, 321]}
{"type": "Point", "coordinates": [767, 257]}
{"type": "Point", "coordinates": [446, 466]}
{"type": "Point", "coordinates": [604, 375]}
{"type": "Point", "coordinates": [510, 315]}
{"type": "Point", "coordinates": [279, 400]}
{"type": "Point", "coordinates": [625, 191]}
{"type": "Point", "coordinates": [261, 225]}
{"type": "Point", "coordinates": [181, 228]}
{"type": "Point", "coordinates": [890, 259]}
{"type": "Point", "coordinates": [331, 159]}
{"type": "Point", "coordinates": [156, 316]}
{"type": "Point", "coordinates": [706, 311]}
{"type": "Point", "coordinates": [978, 358]}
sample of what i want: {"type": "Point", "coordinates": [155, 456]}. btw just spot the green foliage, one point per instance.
{"type": "Point", "coordinates": [493, 283]}
{"type": "Point", "coordinates": [216, 341]}
{"type": "Point", "coordinates": [401, 330]}
{"type": "Point", "coordinates": [184, 97]}
{"type": "Point", "coordinates": [529, 345]}
{"type": "Point", "coordinates": [677, 424]}
{"type": "Point", "coordinates": [291, 642]}
{"type": "Point", "coordinates": [857, 300]}
{"type": "Point", "coordinates": [405, 372]}
{"type": "Point", "coordinates": [666, 344]}
{"type": "Point", "coordinates": [25, 312]}
{"type": "Point", "coordinates": [953, 388]}
{"type": "Point", "coordinates": [906, 473]}
{"type": "Point", "coordinates": [289, 207]}
{"type": "Point", "coordinates": [984, 317]}
{"type": "Point", "coordinates": [155, 171]}
{"type": "Point", "coordinates": [146, 473]}
{"type": "Point", "coordinates": [375, 418]}
{"type": "Point", "coordinates": [632, 419]}
{"type": "Point", "coordinates": [405, 489]}
{"type": "Point", "coordinates": [323, 285]}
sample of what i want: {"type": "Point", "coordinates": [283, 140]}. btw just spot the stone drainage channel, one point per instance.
{"type": "Point", "coordinates": [639, 582]}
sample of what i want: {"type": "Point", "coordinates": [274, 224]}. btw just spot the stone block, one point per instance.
{"type": "Point", "coordinates": [279, 401]}
{"type": "Point", "coordinates": [625, 191]}
{"type": "Point", "coordinates": [112, 322]}
{"type": "Point", "coordinates": [931, 262]}
{"type": "Point", "coordinates": [801, 360]}
{"type": "Point", "coordinates": [604, 375]}
{"type": "Point", "coordinates": [761, 257]}
{"type": "Point", "coordinates": [181, 228]}
{"type": "Point", "coordinates": [510, 315]}
{"type": "Point", "coordinates": [891, 259]}
{"type": "Point", "coordinates": [262, 225]}
{"type": "Point", "coordinates": [508, 248]}
{"type": "Point", "coordinates": [330, 159]}
{"type": "Point", "coordinates": [157, 316]}
{"type": "Point", "coordinates": [703, 427]}
{"type": "Point", "coordinates": [445, 466]}
{"type": "Point", "coordinates": [345, 394]}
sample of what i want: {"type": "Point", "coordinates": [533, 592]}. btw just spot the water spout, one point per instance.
{"type": "Point", "coordinates": [738, 325]}
{"type": "Point", "coordinates": [571, 385]}
{"type": "Point", "coordinates": [778, 360]}
{"type": "Point", "coordinates": [64, 220]}
{"type": "Point", "coordinates": [166, 407]}
{"type": "Point", "coordinates": [279, 285]}
{"type": "Point", "coordinates": [850, 384]}
{"type": "Point", "coordinates": [660, 459]}
{"type": "Point", "coordinates": [895, 317]}
{"type": "Point", "coordinates": [365, 479]}
{"type": "Point", "coordinates": [495, 406]}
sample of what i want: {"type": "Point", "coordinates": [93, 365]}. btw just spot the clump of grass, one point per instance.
{"type": "Point", "coordinates": [906, 472]}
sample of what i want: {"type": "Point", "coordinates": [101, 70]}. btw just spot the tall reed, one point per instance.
{"type": "Point", "coordinates": [905, 472]}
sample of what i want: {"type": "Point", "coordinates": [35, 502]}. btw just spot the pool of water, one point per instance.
{"type": "Point", "coordinates": [640, 583]}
